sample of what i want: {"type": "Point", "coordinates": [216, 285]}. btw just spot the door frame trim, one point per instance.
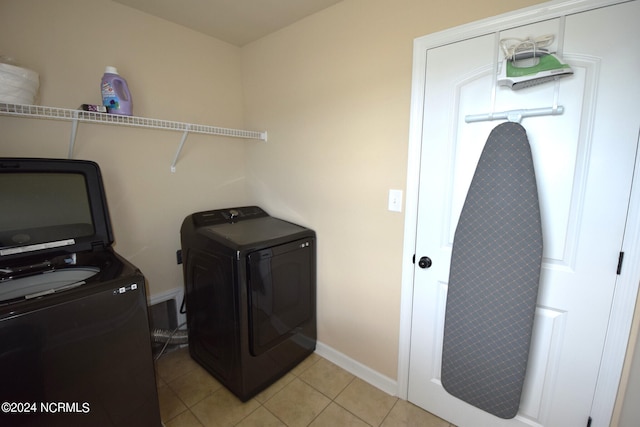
{"type": "Point", "coordinates": [624, 299]}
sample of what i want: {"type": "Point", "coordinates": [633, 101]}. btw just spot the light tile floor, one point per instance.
{"type": "Point", "coordinates": [315, 393]}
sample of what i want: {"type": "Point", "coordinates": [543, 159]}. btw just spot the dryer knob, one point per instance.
{"type": "Point", "coordinates": [233, 213]}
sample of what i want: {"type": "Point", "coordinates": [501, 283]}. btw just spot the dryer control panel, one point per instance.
{"type": "Point", "coordinates": [229, 215]}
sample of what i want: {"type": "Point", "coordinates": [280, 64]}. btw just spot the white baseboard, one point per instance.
{"type": "Point", "coordinates": [356, 368]}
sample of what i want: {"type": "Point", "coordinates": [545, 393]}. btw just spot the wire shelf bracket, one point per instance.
{"type": "Point", "coordinates": [77, 116]}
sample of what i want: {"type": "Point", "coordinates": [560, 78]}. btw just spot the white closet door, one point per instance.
{"type": "Point", "coordinates": [584, 162]}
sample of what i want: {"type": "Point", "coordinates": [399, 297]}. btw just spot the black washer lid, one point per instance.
{"type": "Point", "coordinates": [51, 207]}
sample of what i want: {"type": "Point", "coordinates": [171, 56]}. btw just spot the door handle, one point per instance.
{"type": "Point", "coordinates": [425, 262]}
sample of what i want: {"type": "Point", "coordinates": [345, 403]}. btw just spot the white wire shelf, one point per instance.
{"type": "Point", "coordinates": [75, 116]}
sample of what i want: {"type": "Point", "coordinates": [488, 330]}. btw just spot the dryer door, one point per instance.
{"type": "Point", "coordinates": [281, 282]}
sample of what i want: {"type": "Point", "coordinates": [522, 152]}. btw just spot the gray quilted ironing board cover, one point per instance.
{"type": "Point", "coordinates": [493, 282]}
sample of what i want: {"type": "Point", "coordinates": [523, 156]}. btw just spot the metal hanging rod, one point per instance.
{"type": "Point", "coordinates": [515, 115]}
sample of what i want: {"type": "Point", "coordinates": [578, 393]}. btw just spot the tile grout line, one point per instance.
{"type": "Point", "coordinates": [262, 404]}
{"type": "Point", "coordinates": [177, 395]}
{"type": "Point", "coordinates": [297, 373]}
{"type": "Point", "coordinates": [388, 413]}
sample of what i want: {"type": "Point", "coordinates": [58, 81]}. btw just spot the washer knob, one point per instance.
{"type": "Point", "coordinates": [233, 213]}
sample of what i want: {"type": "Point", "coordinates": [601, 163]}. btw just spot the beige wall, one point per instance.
{"type": "Point", "coordinates": [333, 91]}
{"type": "Point", "coordinates": [173, 74]}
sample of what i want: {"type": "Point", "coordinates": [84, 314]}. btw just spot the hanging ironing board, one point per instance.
{"type": "Point", "coordinates": [493, 283]}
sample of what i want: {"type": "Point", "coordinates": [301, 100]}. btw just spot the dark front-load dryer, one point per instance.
{"type": "Point", "coordinates": [250, 286]}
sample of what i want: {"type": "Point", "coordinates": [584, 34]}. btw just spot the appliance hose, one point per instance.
{"type": "Point", "coordinates": [170, 337]}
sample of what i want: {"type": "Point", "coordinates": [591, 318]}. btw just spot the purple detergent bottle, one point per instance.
{"type": "Point", "coordinates": [115, 93]}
